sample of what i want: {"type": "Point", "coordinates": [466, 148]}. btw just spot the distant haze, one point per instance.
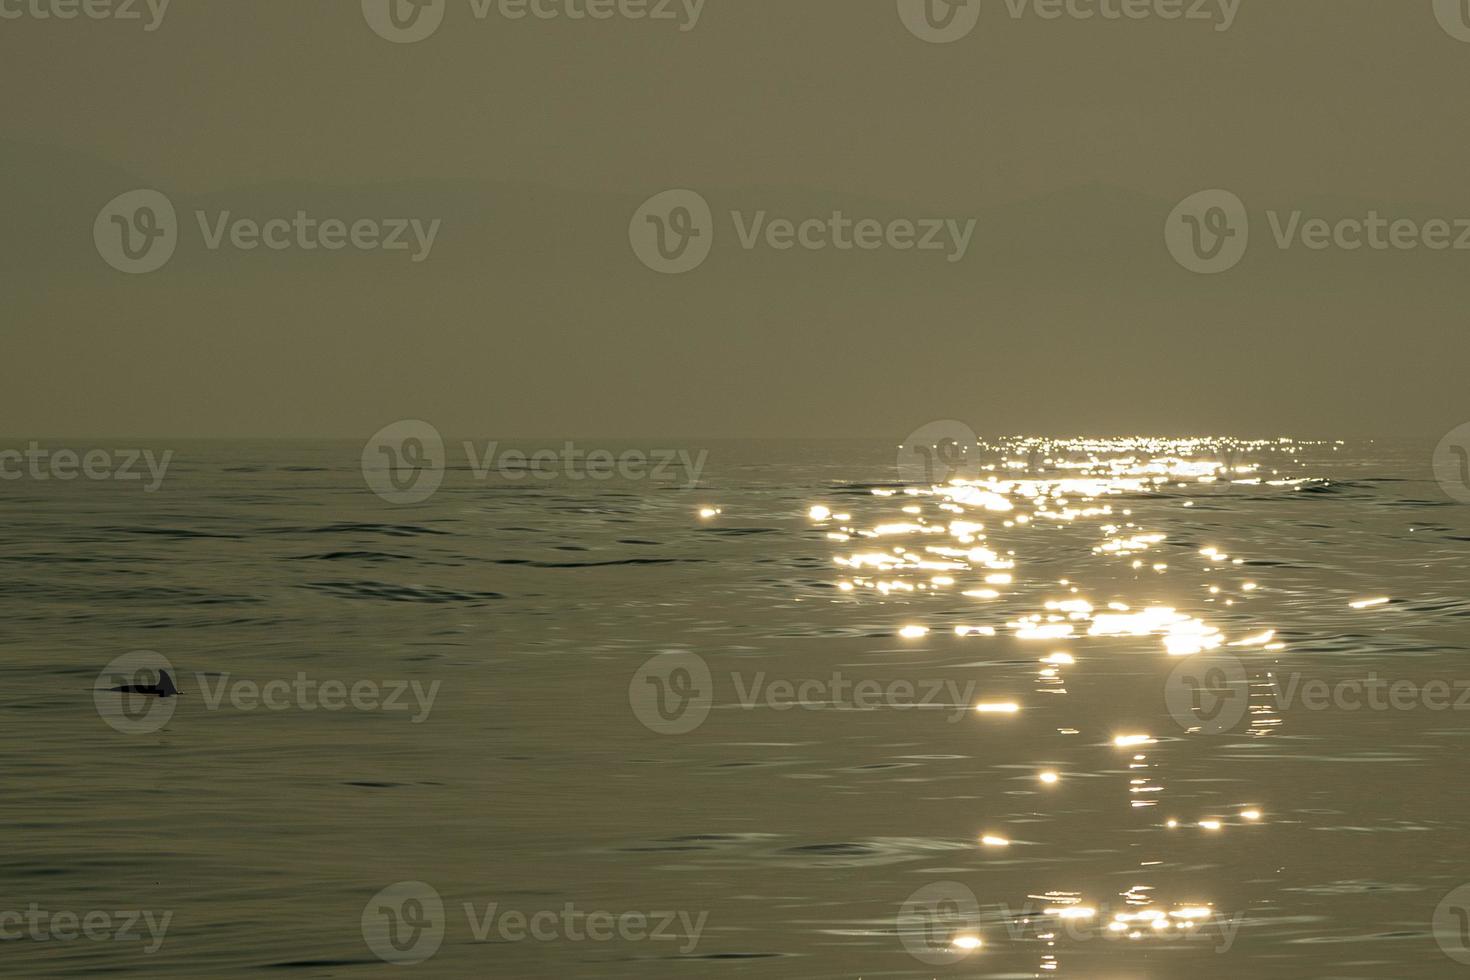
{"type": "Point", "coordinates": [533, 142]}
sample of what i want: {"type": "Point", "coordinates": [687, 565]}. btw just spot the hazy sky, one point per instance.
{"type": "Point", "coordinates": [533, 142]}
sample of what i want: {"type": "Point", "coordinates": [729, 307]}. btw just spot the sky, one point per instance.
{"type": "Point", "coordinates": [497, 195]}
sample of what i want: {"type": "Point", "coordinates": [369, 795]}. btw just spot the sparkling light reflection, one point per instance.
{"type": "Point", "coordinates": [959, 547]}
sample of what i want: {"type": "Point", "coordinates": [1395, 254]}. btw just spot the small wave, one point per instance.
{"type": "Point", "coordinates": [528, 563]}
{"type": "Point", "coordinates": [398, 593]}
{"type": "Point", "coordinates": [351, 556]}
{"type": "Point", "coordinates": [170, 532]}
{"type": "Point", "coordinates": [393, 530]}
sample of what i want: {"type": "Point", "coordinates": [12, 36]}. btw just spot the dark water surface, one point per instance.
{"type": "Point", "coordinates": [1306, 841]}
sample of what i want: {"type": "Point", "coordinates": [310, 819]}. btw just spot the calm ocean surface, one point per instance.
{"type": "Point", "coordinates": [1164, 794]}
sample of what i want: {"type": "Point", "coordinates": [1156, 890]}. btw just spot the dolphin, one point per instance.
{"type": "Point", "coordinates": [163, 689]}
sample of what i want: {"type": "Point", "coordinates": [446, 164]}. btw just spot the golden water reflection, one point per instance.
{"type": "Point", "coordinates": [966, 538]}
